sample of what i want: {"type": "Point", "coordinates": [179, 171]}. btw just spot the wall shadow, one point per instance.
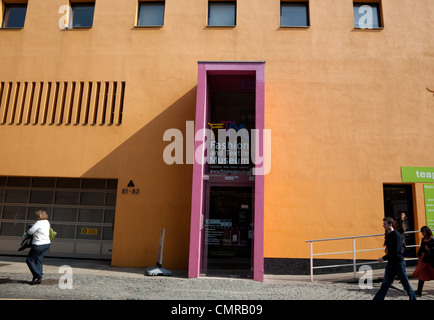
{"type": "Point", "coordinates": [161, 196]}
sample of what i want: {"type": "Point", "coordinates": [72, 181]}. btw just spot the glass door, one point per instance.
{"type": "Point", "coordinates": [228, 232]}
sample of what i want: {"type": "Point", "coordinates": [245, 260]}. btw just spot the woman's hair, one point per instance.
{"type": "Point", "coordinates": [41, 215]}
{"type": "Point", "coordinates": [427, 231]}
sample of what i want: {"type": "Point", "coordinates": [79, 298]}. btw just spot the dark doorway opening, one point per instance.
{"type": "Point", "coordinates": [399, 199]}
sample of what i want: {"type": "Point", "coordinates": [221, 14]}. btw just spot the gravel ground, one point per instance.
{"type": "Point", "coordinates": [101, 290]}
{"type": "Point", "coordinates": [100, 287]}
{"type": "Point", "coordinates": [99, 281]}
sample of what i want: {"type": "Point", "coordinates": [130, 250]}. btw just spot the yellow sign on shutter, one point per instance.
{"type": "Point", "coordinates": [89, 231]}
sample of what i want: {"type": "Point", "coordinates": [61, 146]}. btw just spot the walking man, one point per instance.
{"type": "Point", "coordinates": [395, 262]}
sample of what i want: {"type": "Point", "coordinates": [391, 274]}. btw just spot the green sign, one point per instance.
{"type": "Point", "coordinates": [429, 204]}
{"type": "Point", "coordinates": [417, 174]}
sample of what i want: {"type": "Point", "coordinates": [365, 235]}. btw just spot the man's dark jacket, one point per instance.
{"type": "Point", "coordinates": [394, 249]}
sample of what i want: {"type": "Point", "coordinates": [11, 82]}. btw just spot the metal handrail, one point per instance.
{"type": "Point", "coordinates": [353, 251]}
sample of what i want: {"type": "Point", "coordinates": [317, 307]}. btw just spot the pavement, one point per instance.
{"type": "Point", "coordinates": [76, 279]}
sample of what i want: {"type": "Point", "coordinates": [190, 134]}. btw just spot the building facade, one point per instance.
{"type": "Point", "coordinates": [110, 114]}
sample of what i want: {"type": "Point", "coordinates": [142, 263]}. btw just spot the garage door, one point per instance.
{"type": "Point", "coordinates": [81, 211]}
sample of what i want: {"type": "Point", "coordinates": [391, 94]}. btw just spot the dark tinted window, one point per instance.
{"type": "Point", "coordinates": [82, 15]}
{"type": "Point", "coordinates": [294, 14]}
{"type": "Point", "coordinates": [222, 14]}
{"type": "Point", "coordinates": [14, 15]}
{"type": "Point", "coordinates": [151, 14]}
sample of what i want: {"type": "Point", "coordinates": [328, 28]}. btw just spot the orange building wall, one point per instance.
{"type": "Point", "coordinates": [347, 109]}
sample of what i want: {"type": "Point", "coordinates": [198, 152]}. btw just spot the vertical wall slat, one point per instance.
{"type": "Point", "coordinates": [4, 101]}
{"type": "Point", "coordinates": [115, 95]}
{"type": "Point", "coordinates": [117, 103]}
{"type": "Point", "coordinates": [60, 106]}
{"type": "Point", "coordinates": [76, 93]}
{"type": "Point", "coordinates": [36, 103]}
{"type": "Point", "coordinates": [22, 93]}
{"type": "Point", "coordinates": [45, 102]}
{"type": "Point", "coordinates": [121, 103]}
{"type": "Point", "coordinates": [110, 102]}
{"type": "Point", "coordinates": [2, 91]}
{"type": "Point", "coordinates": [13, 102]}
{"type": "Point", "coordinates": [87, 97]}
{"type": "Point", "coordinates": [28, 102]}
{"type": "Point", "coordinates": [69, 101]}
{"type": "Point", "coordinates": [102, 103]}
{"type": "Point", "coordinates": [52, 102]}
{"type": "Point", "coordinates": [93, 108]}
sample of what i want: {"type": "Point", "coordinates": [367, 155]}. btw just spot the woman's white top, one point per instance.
{"type": "Point", "coordinates": [41, 232]}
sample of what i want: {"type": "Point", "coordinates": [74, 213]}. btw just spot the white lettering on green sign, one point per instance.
{"type": "Point", "coordinates": [417, 174]}
{"type": "Point", "coordinates": [429, 204]}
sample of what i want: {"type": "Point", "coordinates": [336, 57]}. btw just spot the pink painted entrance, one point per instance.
{"type": "Point", "coordinates": [227, 209]}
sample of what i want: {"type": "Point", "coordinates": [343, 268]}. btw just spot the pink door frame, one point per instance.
{"type": "Point", "coordinates": [228, 68]}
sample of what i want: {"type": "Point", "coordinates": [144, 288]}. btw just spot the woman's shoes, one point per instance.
{"type": "Point", "coordinates": [418, 293]}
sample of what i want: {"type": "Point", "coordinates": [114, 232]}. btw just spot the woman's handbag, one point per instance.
{"type": "Point", "coordinates": [52, 234]}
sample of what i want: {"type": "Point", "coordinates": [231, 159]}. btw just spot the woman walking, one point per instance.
{"type": "Point", "coordinates": [40, 244]}
{"type": "Point", "coordinates": [424, 270]}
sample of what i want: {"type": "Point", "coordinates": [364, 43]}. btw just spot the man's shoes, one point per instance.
{"type": "Point", "coordinates": [36, 281]}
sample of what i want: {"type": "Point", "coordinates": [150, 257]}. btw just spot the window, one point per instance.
{"type": "Point", "coordinates": [151, 14]}
{"type": "Point", "coordinates": [367, 15]}
{"type": "Point", "coordinates": [14, 15]}
{"type": "Point", "coordinates": [222, 13]}
{"type": "Point", "coordinates": [294, 14]}
{"type": "Point", "coordinates": [82, 14]}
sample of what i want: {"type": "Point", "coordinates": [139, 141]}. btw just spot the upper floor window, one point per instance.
{"type": "Point", "coordinates": [222, 13]}
{"type": "Point", "coordinates": [367, 15]}
{"type": "Point", "coordinates": [14, 15]}
{"type": "Point", "coordinates": [82, 14]}
{"type": "Point", "coordinates": [294, 14]}
{"type": "Point", "coordinates": [151, 14]}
